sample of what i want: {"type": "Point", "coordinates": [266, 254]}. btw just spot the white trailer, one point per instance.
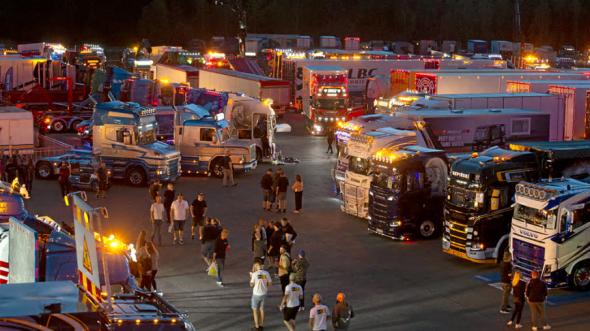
{"type": "Point", "coordinates": [540, 86]}
{"type": "Point", "coordinates": [481, 82]}
{"type": "Point", "coordinates": [16, 131]}
{"type": "Point", "coordinates": [176, 74]}
{"type": "Point", "coordinates": [255, 86]}
{"type": "Point", "coordinates": [477, 129]}
{"type": "Point", "coordinates": [16, 72]}
{"type": "Point", "coordinates": [575, 114]}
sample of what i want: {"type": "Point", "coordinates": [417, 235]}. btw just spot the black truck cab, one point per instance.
{"type": "Point", "coordinates": [407, 192]}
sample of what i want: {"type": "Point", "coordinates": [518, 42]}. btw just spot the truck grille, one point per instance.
{"type": "Point", "coordinates": [457, 230]}
{"type": "Point", "coordinates": [380, 206]}
{"type": "Point", "coordinates": [252, 152]}
{"type": "Point", "coordinates": [355, 199]}
{"type": "Point", "coordinates": [173, 167]}
{"type": "Point", "coordinates": [527, 257]}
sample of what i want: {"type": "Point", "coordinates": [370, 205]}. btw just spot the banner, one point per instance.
{"type": "Point", "coordinates": [86, 253]}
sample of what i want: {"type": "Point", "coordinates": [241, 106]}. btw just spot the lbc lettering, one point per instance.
{"type": "Point", "coordinates": [361, 73]}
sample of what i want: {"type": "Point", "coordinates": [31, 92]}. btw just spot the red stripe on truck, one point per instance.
{"type": "Point", "coordinates": [4, 264]}
{"type": "Point", "coordinates": [267, 83]}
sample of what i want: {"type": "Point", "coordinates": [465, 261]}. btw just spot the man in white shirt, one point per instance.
{"type": "Point", "coordinates": [291, 302]}
{"type": "Point", "coordinates": [260, 280]}
{"type": "Point", "coordinates": [178, 211]}
{"type": "Point", "coordinates": [156, 216]}
{"type": "Point", "coordinates": [318, 315]}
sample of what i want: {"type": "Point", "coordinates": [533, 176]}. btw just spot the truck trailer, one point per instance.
{"type": "Point", "coordinates": [255, 86]}
{"type": "Point", "coordinates": [539, 86]}
{"type": "Point", "coordinates": [478, 208]}
{"type": "Point", "coordinates": [576, 113]}
{"type": "Point", "coordinates": [16, 131]}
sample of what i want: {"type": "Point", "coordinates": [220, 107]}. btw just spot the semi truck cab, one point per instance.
{"type": "Point", "coordinates": [550, 231]}
{"type": "Point", "coordinates": [407, 191]}
{"type": "Point", "coordinates": [124, 137]}
{"type": "Point", "coordinates": [203, 143]}
{"type": "Point", "coordinates": [357, 179]}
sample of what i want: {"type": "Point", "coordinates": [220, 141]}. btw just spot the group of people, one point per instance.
{"type": "Point", "coordinates": [534, 292]}
{"type": "Point", "coordinates": [148, 258]}
{"type": "Point", "coordinates": [272, 243]}
{"type": "Point", "coordinates": [100, 171]}
{"type": "Point", "coordinates": [19, 166]}
{"type": "Point", "coordinates": [274, 191]}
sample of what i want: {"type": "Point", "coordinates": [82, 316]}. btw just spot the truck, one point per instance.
{"type": "Point", "coordinates": [124, 137]}
{"type": "Point", "coordinates": [48, 51]}
{"type": "Point", "coordinates": [478, 208]}
{"type": "Point", "coordinates": [463, 130]}
{"type": "Point", "coordinates": [539, 86]}
{"type": "Point", "coordinates": [476, 46]}
{"type": "Point", "coordinates": [204, 142]}
{"type": "Point", "coordinates": [407, 192]}
{"type": "Point", "coordinates": [16, 130]}
{"type": "Point", "coordinates": [357, 179]}
{"type": "Point", "coordinates": [576, 114]}
{"type": "Point", "coordinates": [329, 42]}
{"type": "Point", "coordinates": [503, 48]}
{"type": "Point", "coordinates": [353, 43]}
{"type": "Point", "coordinates": [550, 231]}
{"type": "Point", "coordinates": [17, 72]}
{"type": "Point", "coordinates": [327, 99]}
{"type": "Point", "coordinates": [255, 86]}
{"type": "Point", "coordinates": [480, 82]}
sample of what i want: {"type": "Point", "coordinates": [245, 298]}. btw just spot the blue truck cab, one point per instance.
{"type": "Point", "coordinates": [124, 135]}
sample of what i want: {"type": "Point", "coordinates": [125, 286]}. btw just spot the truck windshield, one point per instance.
{"type": "Point", "coordinates": [359, 165]}
{"type": "Point", "coordinates": [147, 134]}
{"type": "Point", "coordinates": [223, 134]}
{"type": "Point", "coordinates": [534, 216]}
{"type": "Point", "coordinates": [460, 197]}
{"type": "Point", "coordinates": [331, 103]}
{"type": "Point", "coordinates": [388, 182]}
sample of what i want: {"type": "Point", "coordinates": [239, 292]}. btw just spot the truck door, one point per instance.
{"type": "Point", "coordinates": [572, 223]}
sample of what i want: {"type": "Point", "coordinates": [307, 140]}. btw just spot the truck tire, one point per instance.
{"type": "Point", "coordinates": [427, 229]}
{"type": "Point", "coordinates": [580, 277]}
{"type": "Point", "coordinates": [59, 126]}
{"type": "Point", "coordinates": [136, 176]}
{"type": "Point", "coordinates": [44, 170]}
{"type": "Point", "coordinates": [217, 168]}
{"type": "Point", "coordinates": [74, 124]}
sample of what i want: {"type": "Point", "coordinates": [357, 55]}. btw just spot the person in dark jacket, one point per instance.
{"type": "Point", "coordinates": [288, 233]}
{"type": "Point", "coordinates": [518, 287]}
{"type": "Point", "coordinates": [536, 293]}
{"type": "Point", "coordinates": [169, 196]}
{"type": "Point", "coordinates": [266, 185]}
{"type": "Point", "coordinates": [63, 179]}
{"type": "Point", "coordinates": [330, 140]}
{"type": "Point", "coordinates": [342, 313]}
{"type": "Point", "coordinates": [505, 280]}
{"type": "Point", "coordinates": [155, 188]}
{"type": "Point", "coordinates": [103, 180]}
{"type": "Point", "coordinates": [30, 169]}
{"type": "Point", "coordinates": [210, 234]}
{"type": "Point", "coordinates": [221, 247]}
{"type": "Point", "coordinates": [274, 247]}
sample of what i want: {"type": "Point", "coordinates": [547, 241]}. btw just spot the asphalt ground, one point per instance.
{"type": "Point", "coordinates": [391, 285]}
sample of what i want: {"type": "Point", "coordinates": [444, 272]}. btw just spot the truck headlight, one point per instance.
{"type": "Point", "coordinates": [159, 172]}
{"type": "Point", "coordinates": [479, 197]}
{"type": "Point", "coordinates": [395, 224]}
{"type": "Point", "coordinates": [371, 193]}
{"type": "Point", "coordinates": [390, 198]}
{"type": "Point", "coordinates": [317, 127]}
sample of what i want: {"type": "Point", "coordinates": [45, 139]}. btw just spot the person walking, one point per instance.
{"type": "Point", "coordinates": [342, 313]}
{"type": "Point", "coordinates": [274, 247]}
{"type": "Point", "coordinates": [178, 211]}
{"type": "Point", "coordinates": [266, 185]}
{"type": "Point", "coordinates": [210, 234]}
{"type": "Point", "coordinates": [143, 260]}
{"type": "Point", "coordinates": [536, 294]}
{"type": "Point", "coordinates": [288, 232]}
{"type": "Point", "coordinates": [297, 188]}
{"type": "Point", "coordinates": [273, 195]}
{"type": "Point", "coordinates": [505, 280]}
{"type": "Point", "coordinates": [330, 140]}
{"type": "Point", "coordinates": [228, 170]}
{"type": "Point", "coordinates": [155, 261]}
{"type": "Point", "coordinates": [291, 302]}
{"type": "Point", "coordinates": [30, 169]}
{"type": "Point", "coordinates": [198, 212]}
{"type": "Point", "coordinates": [260, 281]}
{"type": "Point", "coordinates": [259, 246]}
{"type": "Point", "coordinates": [155, 188]}
{"type": "Point", "coordinates": [318, 315]}
{"type": "Point", "coordinates": [157, 212]}
{"type": "Point", "coordinates": [299, 268]}
{"type": "Point", "coordinates": [282, 186]}
{"type": "Point", "coordinates": [169, 196]}
{"type": "Point", "coordinates": [103, 180]}
{"type": "Point", "coordinates": [284, 267]}
{"type": "Point", "coordinates": [221, 247]}
{"type": "Point", "coordinates": [518, 288]}
{"type": "Point", "coordinates": [63, 178]}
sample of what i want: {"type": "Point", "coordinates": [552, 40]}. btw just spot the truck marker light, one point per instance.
{"type": "Point", "coordinates": [119, 321]}
{"type": "Point", "coordinates": [156, 321]}
{"type": "Point", "coordinates": [137, 321]}
{"type": "Point", "coordinates": [173, 320]}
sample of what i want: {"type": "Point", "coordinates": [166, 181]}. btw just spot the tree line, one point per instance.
{"type": "Point", "coordinates": [118, 23]}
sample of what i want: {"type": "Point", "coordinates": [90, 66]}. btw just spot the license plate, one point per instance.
{"type": "Point", "coordinates": [380, 231]}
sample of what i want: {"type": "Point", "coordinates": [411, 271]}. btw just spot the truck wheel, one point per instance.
{"type": "Point", "coordinates": [59, 126]}
{"type": "Point", "coordinates": [44, 170]}
{"type": "Point", "coordinates": [580, 277]}
{"type": "Point", "coordinates": [74, 124]}
{"type": "Point", "coordinates": [427, 229]}
{"type": "Point", "coordinates": [217, 169]}
{"type": "Point", "coordinates": [136, 176]}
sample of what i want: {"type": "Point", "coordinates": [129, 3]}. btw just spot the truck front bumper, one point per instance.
{"type": "Point", "coordinates": [246, 167]}
{"type": "Point", "coordinates": [401, 232]}
{"type": "Point", "coordinates": [477, 256]}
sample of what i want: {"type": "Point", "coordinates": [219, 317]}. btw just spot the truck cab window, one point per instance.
{"type": "Point", "coordinates": [207, 134]}
{"type": "Point", "coordinates": [124, 136]}
{"type": "Point", "coordinates": [581, 216]}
